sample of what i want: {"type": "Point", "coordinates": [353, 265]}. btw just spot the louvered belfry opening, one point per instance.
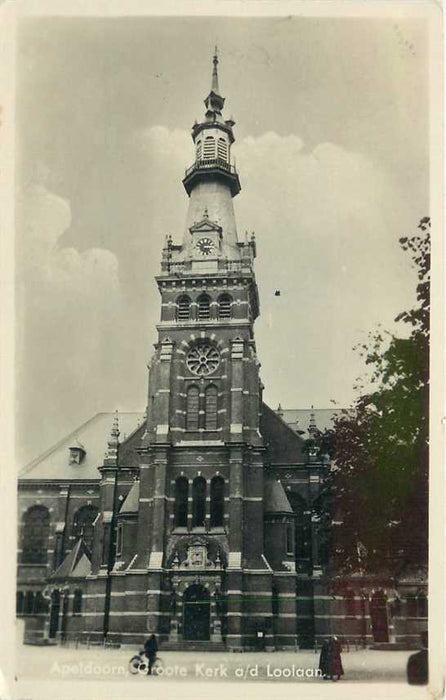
{"type": "Point", "coordinates": [222, 149]}
{"type": "Point", "coordinates": [209, 148]}
{"type": "Point", "coordinates": [183, 308]}
{"type": "Point", "coordinates": [224, 306]}
{"type": "Point", "coordinates": [204, 307]}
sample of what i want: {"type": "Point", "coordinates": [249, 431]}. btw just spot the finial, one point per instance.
{"type": "Point", "coordinates": [115, 427]}
{"type": "Point", "coordinates": [111, 453]}
{"type": "Point", "coordinates": [214, 87]}
{"type": "Point", "coordinates": [279, 410]}
{"type": "Point", "coordinates": [205, 213]}
{"type": "Point", "coordinates": [312, 428]}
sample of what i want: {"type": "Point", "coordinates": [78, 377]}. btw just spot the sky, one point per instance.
{"type": "Point", "coordinates": [332, 130]}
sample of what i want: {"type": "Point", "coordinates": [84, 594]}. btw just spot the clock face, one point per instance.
{"type": "Point", "coordinates": [205, 246]}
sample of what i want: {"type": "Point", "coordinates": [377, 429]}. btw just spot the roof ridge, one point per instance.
{"type": "Point", "coordinates": [287, 425]}
{"type": "Point", "coordinates": [28, 467]}
{"type": "Point", "coordinates": [135, 430]}
{"type": "Point", "coordinates": [59, 443]}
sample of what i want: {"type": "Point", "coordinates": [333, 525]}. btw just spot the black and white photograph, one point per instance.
{"type": "Point", "coordinates": [228, 379]}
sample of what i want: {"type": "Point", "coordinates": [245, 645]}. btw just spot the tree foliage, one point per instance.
{"type": "Point", "coordinates": [377, 491]}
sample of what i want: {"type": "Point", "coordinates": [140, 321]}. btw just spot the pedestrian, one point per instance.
{"type": "Point", "coordinates": [150, 648]}
{"type": "Point", "coordinates": [335, 670]}
{"type": "Point", "coordinates": [417, 665]}
{"type": "Point", "coordinates": [324, 659]}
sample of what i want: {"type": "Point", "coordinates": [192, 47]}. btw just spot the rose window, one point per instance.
{"type": "Point", "coordinates": [203, 360]}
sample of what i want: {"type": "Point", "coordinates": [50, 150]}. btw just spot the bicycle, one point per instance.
{"type": "Point", "coordinates": [140, 664]}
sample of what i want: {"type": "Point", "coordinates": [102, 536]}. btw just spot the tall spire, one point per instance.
{"type": "Point", "coordinates": [214, 85]}
{"type": "Point", "coordinates": [214, 101]}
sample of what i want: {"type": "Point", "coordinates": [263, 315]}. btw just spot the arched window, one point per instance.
{"type": "Point", "coordinates": [209, 148]}
{"type": "Point", "coordinates": [198, 501]}
{"type": "Point", "coordinates": [181, 496]}
{"type": "Point", "coordinates": [119, 539]}
{"type": "Point", "coordinates": [183, 308]}
{"type": "Point", "coordinates": [204, 307]}
{"type": "Point", "coordinates": [224, 306]}
{"type": "Point", "coordinates": [210, 408]}
{"type": "Point", "coordinates": [77, 602]}
{"type": "Point", "coordinates": [217, 501]}
{"type": "Point", "coordinates": [192, 408]}
{"type": "Point", "coordinates": [36, 531]}
{"type": "Point", "coordinates": [83, 524]}
{"type": "Point", "coordinates": [199, 150]}
{"type": "Point", "coordinates": [290, 538]}
{"type": "Point", "coordinates": [302, 525]}
{"type": "Point", "coordinates": [222, 149]}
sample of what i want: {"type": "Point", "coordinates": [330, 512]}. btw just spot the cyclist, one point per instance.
{"type": "Point", "coordinates": [150, 649]}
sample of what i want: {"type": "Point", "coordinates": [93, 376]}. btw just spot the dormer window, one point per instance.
{"type": "Point", "coordinates": [77, 453]}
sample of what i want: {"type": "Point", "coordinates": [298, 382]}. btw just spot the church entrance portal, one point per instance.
{"type": "Point", "coordinates": [196, 615]}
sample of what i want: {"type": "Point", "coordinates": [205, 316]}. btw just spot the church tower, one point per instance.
{"type": "Point", "coordinates": [195, 536]}
{"type": "Point", "coordinates": [200, 531]}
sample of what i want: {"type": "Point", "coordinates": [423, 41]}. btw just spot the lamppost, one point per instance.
{"type": "Point", "coordinates": [111, 460]}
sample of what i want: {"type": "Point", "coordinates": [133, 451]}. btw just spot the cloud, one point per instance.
{"type": "Point", "coordinates": [68, 307]}
{"type": "Point", "coordinates": [327, 222]}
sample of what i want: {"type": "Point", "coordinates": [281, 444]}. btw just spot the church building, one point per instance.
{"type": "Point", "coordinates": [197, 522]}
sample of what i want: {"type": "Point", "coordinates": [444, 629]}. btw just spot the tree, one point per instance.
{"type": "Point", "coordinates": [377, 491]}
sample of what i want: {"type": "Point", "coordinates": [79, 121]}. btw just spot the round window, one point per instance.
{"type": "Point", "coordinates": [203, 359]}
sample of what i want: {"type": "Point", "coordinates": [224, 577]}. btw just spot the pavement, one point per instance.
{"type": "Point", "coordinates": [69, 664]}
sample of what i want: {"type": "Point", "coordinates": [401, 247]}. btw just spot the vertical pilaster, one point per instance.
{"type": "Point", "coordinates": [159, 508]}
{"type": "Point", "coordinates": [162, 395]}
{"type": "Point", "coordinates": [234, 636]}
{"type": "Point", "coordinates": [236, 499]}
{"type": "Point", "coordinates": [236, 425]}
{"type": "Point", "coordinates": [253, 544]}
{"type": "Point", "coordinates": [145, 508]}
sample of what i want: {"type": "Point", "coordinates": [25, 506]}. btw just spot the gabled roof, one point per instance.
{"type": "Point", "coordinates": [76, 564]}
{"type": "Point", "coordinates": [281, 432]}
{"type": "Point", "coordinates": [205, 225]}
{"type": "Point", "coordinates": [285, 446]}
{"type": "Point", "coordinates": [275, 500]}
{"type": "Point", "coordinates": [128, 455]}
{"type": "Point", "coordinates": [131, 503]}
{"type": "Point", "coordinates": [93, 435]}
